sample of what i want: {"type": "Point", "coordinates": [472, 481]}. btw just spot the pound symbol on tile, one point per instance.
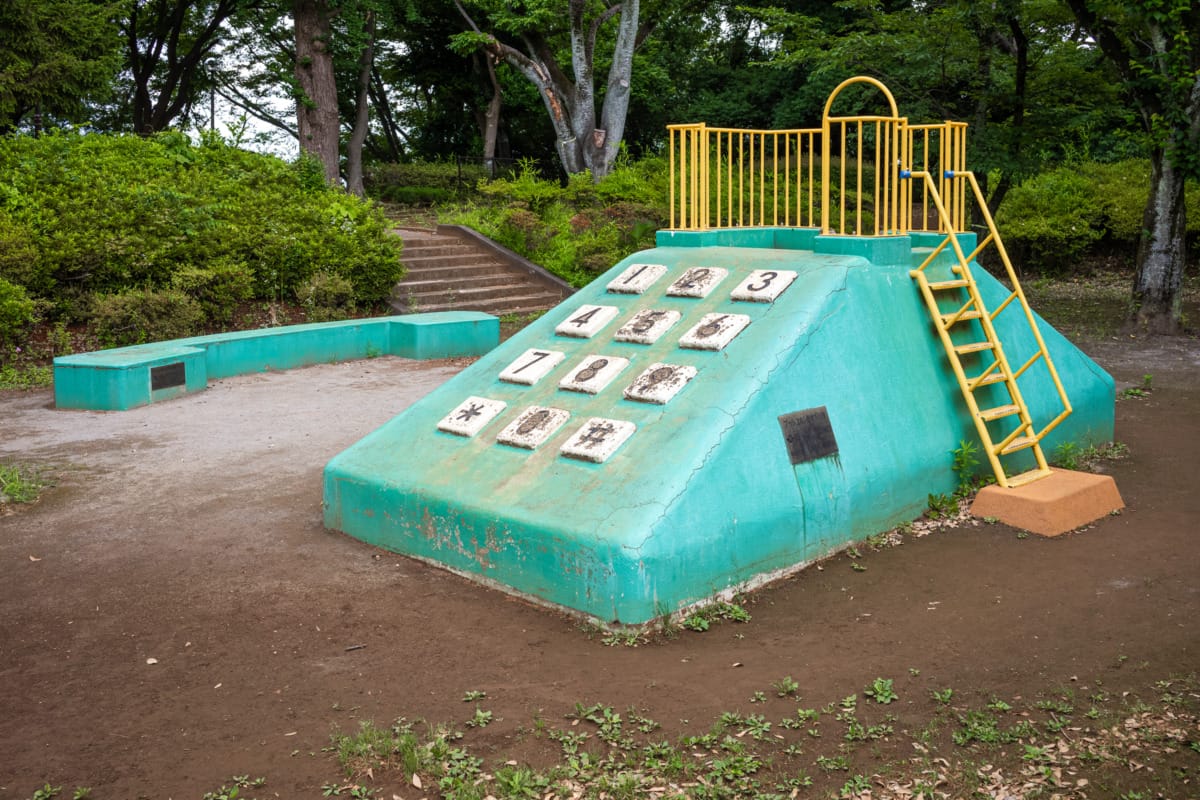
{"type": "Point", "coordinates": [470, 412]}
{"type": "Point", "coordinates": [596, 434]}
{"type": "Point", "coordinates": [534, 421]}
{"type": "Point", "coordinates": [711, 328]}
{"type": "Point", "coordinates": [591, 370]}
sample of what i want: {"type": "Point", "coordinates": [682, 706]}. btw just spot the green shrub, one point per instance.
{"type": "Point", "coordinates": [105, 212]}
{"type": "Point", "coordinates": [18, 255]}
{"type": "Point", "coordinates": [144, 315]}
{"type": "Point", "coordinates": [1051, 220]}
{"type": "Point", "coordinates": [393, 182]}
{"type": "Point", "coordinates": [16, 314]}
{"type": "Point", "coordinates": [578, 231]}
{"type": "Point", "coordinates": [218, 288]}
{"type": "Point", "coordinates": [1120, 190]}
{"type": "Point", "coordinates": [326, 296]}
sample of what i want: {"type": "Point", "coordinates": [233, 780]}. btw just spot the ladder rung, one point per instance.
{"type": "Point", "coordinates": [999, 411]}
{"type": "Point", "coordinates": [974, 347]}
{"type": "Point", "coordinates": [995, 377]}
{"type": "Point", "coordinates": [1027, 477]}
{"type": "Point", "coordinates": [960, 317]}
{"type": "Point", "coordinates": [1020, 443]}
{"type": "Point", "coordinates": [938, 285]}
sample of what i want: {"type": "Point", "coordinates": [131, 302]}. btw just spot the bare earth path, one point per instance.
{"type": "Point", "coordinates": [190, 533]}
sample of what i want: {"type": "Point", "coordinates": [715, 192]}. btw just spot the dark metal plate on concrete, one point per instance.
{"type": "Point", "coordinates": [168, 375]}
{"type": "Point", "coordinates": [808, 435]}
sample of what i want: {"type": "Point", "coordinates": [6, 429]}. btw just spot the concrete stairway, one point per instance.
{"type": "Point", "coordinates": [455, 269]}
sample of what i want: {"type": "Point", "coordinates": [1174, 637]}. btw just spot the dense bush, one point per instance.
{"type": "Point", "coordinates": [575, 232]}
{"type": "Point", "coordinates": [1051, 220]}
{"type": "Point", "coordinates": [16, 314]}
{"type": "Point", "coordinates": [218, 288]}
{"type": "Point", "coordinates": [108, 213]}
{"type": "Point", "coordinates": [326, 296]}
{"type": "Point", "coordinates": [144, 315]}
{"type": "Point", "coordinates": [423, 182]}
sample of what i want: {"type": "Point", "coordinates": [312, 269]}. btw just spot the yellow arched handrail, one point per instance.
{"type": "Point", "coordinates": [860, 79]}
{"type": "Point", "coordinates": [887, 192]}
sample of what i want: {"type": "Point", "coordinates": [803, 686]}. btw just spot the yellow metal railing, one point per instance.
{"type": "Point", "coordinates": [845, 177]}
{"type": "Point", "coordinates": [1025, 433]}
{"type": "Point", "coordinates": [735, 178]}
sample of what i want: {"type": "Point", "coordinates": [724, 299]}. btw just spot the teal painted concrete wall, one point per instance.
{"type": "Point", "coordinates": [703, 496]}
{"type": "Point", "coordinates": [119, 378]}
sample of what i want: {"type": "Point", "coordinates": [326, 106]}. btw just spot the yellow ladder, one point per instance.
{"type": "Point", "coordinates": [956, 303]}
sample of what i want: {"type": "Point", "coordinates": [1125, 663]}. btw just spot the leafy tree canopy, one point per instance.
{"type": "Point", "coordinates": [57, 56]}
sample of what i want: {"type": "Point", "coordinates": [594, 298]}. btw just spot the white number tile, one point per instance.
{"type": "Point", "coordinates": [531, 366]}
{"type": "Point", "coordinates": [597, 439]}
{"type": "Point", "coordinates": [586, 321]}
{"type": "Point", "coordinates": [535, 425]}
{"type": "Point", "coordinates": [763, 285]}
{"type": "Point", "coordinates": [594, 373]}
{"type": "Point", "coordinates": [471, 415]}
{"type": "Point", "coordinates": [659, 383]}
{"type": "Point", "coordinates": [636, 279]}
{"type": "Point", "coordinates": [697, 282]}
{"type": "Point", "coordinates": [647, 326]}
{"type": "Point", "coordinates": [714, 331]}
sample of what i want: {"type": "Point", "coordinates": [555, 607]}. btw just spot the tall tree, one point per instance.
{"type": "Point", "coordinates": [358, 130]}
{"type": "Point", "coordinates": [316, 99]}
{"type": "Point", "coordinates": [55, 56]}
{"type": "Point", "coordinates": [588, 120]}
{"type": "Point", "coordinates": [1155, 47]}
{"type": "Point", "coordinates": [167, 44]}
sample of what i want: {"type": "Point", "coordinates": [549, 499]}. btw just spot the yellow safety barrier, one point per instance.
{"type": "Point", "coordinates": [844, 177]}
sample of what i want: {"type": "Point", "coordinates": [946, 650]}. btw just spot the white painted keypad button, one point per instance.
{"type": "Point", "coordinates": [586, 321]}
{"type": "Point", "coordinates": [471, 416]}
{"type": "Point", "coordinates": [647, 326]}
{"type": "Point", "coordinates": [697, 282]}
{"type": "Point", "coordinates": [764, 285]}
{"type": "Point", "coordinates": [594, 373]}
{"type": "Point", "coordinates": [659, 383]}
{"type": "Point", "coordinates": [535, 425]}
{"type": "Point", "coordinates": [532, 366]}
{"type": "Point", "coordinates": [636, 279]}
{"type": "Point", "coordinates": [598, 439]}
{"type": "Point", "coordinates": [714, 331]}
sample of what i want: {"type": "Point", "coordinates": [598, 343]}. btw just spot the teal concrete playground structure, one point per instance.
{"type": "Point", "coordinates": [126, 377]}
{"type": "Point", "coordinates": [708, 415]}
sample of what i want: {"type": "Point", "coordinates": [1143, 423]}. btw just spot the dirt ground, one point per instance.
{"type": "Point", "coordinates": [190, 533]}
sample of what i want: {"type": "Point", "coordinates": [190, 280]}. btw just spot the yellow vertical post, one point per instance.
{"type": "Point", "coordinates": [671, 172]}
{"type": "Point", "coordinates": [842, 183]}
{"type": "Point", "coordinates": [787, 180]}
{"type": "Point", "coordinates": [858, 176]}
{"type": "Point", "coordinates": [729, 177]}
{"type": "Point", "coordinates": [811, 183]}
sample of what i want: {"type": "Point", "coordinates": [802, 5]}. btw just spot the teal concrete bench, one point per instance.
{"type": "Point", "coordinates": [126, 377]}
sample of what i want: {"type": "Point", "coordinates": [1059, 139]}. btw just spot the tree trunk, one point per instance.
{"type": "Point", "coordinates": [316, 107]}
{"type": "Point", "coordinates": [607, 139]}
{"type": "Point", "coordinates": [491, 122]}
{"type": "Point", "coordinates": [584, 142]}
{"type": "Point", "coordinates": [358, 134]}
{"type": "Point", "coordinates": [1162, 252]}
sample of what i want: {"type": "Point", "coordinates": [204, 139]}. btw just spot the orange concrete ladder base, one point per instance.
{"type": "Point", "coordinates": [1060, 502]}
